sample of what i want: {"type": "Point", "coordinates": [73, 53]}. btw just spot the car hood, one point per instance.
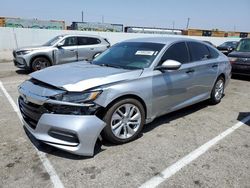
{"type": "Point", "coordinates": [239, 54]}
{"type": "Point", "coordinates": [81, 76]}
{"type": "Point", "coordinates": [33, 48]}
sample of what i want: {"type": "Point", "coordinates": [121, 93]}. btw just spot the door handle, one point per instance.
{"type": "Point", "coordinates": [72, 50]}
{"type": "Point", "coordinates": [190, 71]}
{"type": "Point", "coordinates": [92, 48]}
{"type": "Point", "coordinates": [213, 66]}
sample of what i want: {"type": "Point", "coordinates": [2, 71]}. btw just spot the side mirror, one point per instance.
{"type": "Point", "coordinates": [60, 44]}
{"type": "Point", "coordinates": [230, 48]}
{"type": "Point", "coordinates": [169, 65]}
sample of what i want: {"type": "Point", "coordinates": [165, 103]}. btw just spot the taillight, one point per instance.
{"type": "Point", "coordinates": [232, 59]}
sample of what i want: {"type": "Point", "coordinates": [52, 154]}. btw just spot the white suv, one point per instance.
{"type": "Point", "coordinates": [61, 49]}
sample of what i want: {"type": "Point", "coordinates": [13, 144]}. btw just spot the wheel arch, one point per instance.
{"type": "Point", "coordinates": [40, 55]}
{"type": "Point", "coordinates": [102, 111]}
{"type": "Point", "coordinates": [223, 76]}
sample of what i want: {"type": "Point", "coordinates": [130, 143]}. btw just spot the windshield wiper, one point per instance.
{"type": "Point", "coordinates": [111, 65]}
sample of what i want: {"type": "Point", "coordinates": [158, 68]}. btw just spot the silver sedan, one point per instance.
{"type": "Point", "coordinates": [127, 86]}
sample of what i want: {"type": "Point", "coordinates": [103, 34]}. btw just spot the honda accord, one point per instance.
{"type": "Point", "coordinates": [70, 106]}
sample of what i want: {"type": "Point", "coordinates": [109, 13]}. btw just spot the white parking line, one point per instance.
{"type": "Point", "coordinates": [174, 168]}
{"type": "Point", "coordinates": [13, 82]}
{"type": "Point", "coordinates": [45, 161]}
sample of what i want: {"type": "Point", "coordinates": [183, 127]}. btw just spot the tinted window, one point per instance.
{"type": "Point", "coordinates": [244, 46]}
{"type": "Point", "coordinates": [93, 41]}
{"type": "Point", "coordinates": [88, 41]}
{"type": "Point", "coordinates": [70, 41]}
{"type": "Point", "coordinates": [177, 52]}
{"type": "Point", "coordinates": [198, 51]}
{"type": "Point", "coordinates": [213, 53]}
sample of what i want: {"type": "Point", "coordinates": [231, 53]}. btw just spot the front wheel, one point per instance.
{"type": "Point", "coordinates": [124, 121]}
{"type": "Point", "coordinates": [39, 63]}
{"type": "Point", "coordinates": [218, 91]}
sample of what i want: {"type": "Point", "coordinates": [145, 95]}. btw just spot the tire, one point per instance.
{"type": "Point", "coordinates": [218, 91]}
{"type": "Point", "coordinates": [39, 63]}
{"type": "Point", "coordinates": [124, 121]}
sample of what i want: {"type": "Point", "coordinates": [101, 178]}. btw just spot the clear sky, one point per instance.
{"type": "Point", "coordinates": [228, 15]}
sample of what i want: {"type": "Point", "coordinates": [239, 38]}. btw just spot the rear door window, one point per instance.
{"type": "Point", "coordinates": [88, 41]}
{"type": "Point", "coordinates": [198, 51]}
{"type": "Point", "coordinates": [93, 41]}
{"type": "Point", "coordinates": [177, 52]}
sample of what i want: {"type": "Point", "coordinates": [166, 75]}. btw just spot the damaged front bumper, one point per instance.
{"type": "Point", "coordinates": [74, 133]}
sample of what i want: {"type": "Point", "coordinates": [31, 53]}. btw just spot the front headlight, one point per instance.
{"type": "Point", "coordinates": [78, 97]}
{"type": "Point", "coordinates": [23, 52]}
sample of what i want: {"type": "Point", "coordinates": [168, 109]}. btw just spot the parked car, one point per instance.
{"type": "Point", "coordinates": [61, 49]}
{"type": "Point", "coordinates": [227, 47]}
{"type": "Point", "coordinates": [240, 58]}
{"type": "Point", "coordinates": [125, 87]}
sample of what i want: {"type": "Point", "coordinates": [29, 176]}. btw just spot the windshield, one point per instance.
{"type": "Point", "coordinates": [53, 41]}
{"type": "Point", "coordinates": [226, 44]}
{"type": "Point", "coordinates": [244, 46]}
{"type": "Point", "coordinates": [129, 55]}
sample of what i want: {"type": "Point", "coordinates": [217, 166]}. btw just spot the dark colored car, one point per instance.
{"type": "Point", "coordinates": [240, 58]}
{"type": "Point", "coordinates": [227, 47]}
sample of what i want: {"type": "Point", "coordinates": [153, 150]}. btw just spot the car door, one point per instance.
{"type": "Point", "coordinates": [206, 67]}
{"type": "Point", "coordinates": [174, 89]}
{"type": "Point", "coordinates": [87, 47]}
{"type": "Point", "coordinates": [68, 51]}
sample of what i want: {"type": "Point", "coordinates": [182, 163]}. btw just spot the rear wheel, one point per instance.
{"type": "Point", "coordinates": [124, 120]}
{"type": "Point", "coordinates": [218, 91]}
{"type": "Point", "coordinates": [39, 63]}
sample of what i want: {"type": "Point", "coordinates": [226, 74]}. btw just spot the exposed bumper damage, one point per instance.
{"type": "Point", "coordinates": [68, 126]}
{"type": "Point", "coordinates": [75, 134]}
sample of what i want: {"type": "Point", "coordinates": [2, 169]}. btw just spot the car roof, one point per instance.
{"type": "Point", "coordinates": [79, 35]}
{"type": "Point", "coordinates": [161, 40]}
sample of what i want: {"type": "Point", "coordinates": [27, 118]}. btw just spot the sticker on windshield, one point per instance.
{"type": "Point", "coordinates": [142, 52]}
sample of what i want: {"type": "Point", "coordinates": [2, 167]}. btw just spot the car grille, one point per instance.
{"type": "Point", "coordinates": [243, 61]}
{"type": "Point", "coordinates": [31, 112]}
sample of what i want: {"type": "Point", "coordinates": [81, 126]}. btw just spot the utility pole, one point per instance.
{"type": "Point", "coordinates": [102, 19]}
{"type": "Point", "coordinates": [188, 23]}
{"type": "Point", "coordinates": [82, 16]}
{"type": "Point", "coordinates": [173, 26]}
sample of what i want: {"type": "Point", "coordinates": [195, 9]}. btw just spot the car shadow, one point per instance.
{"type": "Point", "coordinates": [243, 115]}
{"type": "Point", "coordinates": [166, 119]}
{"type": "Point", "coordinates": [241, 77]}
{"type": "Point", "coordinates": [175, 115]}
{"type": "Point", "coordinates": [21, 71]}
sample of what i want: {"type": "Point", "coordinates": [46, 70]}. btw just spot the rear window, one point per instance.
{"type": "Point", "coordinates": [198, 51]}
{"type": "Point", "coordinates": [88, 41]}
{"type": "Point", "coordinates": [244, 46]}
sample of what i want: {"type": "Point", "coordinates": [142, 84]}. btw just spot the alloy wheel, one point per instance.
{"type": "Point", "coordinates": [125, 121]}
